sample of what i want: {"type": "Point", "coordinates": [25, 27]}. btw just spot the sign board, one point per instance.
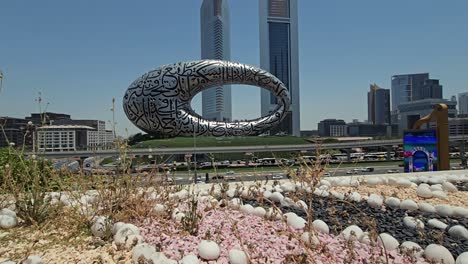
{"type": "Point", "coordinates": [420, 150]}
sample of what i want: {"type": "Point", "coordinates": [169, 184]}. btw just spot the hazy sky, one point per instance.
{"type": "Point", "coordinates": [81, 54]}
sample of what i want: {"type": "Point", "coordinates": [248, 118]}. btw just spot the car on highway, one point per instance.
{"type": "Point", "coordinates": [367, 169]}
{"type": "Point", "coordinates": [217, 177]}
{"type": "Point", "coordinates": [393, 171]}
{"type": "Point", "coordinates": [326, 174]}
{"type": "Point", "coordinates": [230, 176]}
{"type": "Point", "coordinates": [457, 168]}
{"type": "Point", "coordinates": [353, 171]}
{"type": "Point", "coordinates": [277, 176]}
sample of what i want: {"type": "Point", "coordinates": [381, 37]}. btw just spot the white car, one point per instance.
{"type": "Point", "coordinates": [326, 174]}
{"type": "Point", "coordinates": [352, 171]}
{"type": "Point", "coordinates": [277, 177]}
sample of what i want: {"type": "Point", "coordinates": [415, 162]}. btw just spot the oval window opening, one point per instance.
{"type": "Point", "coordinates": [245, 103]}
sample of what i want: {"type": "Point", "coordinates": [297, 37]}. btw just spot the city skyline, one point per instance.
{"type": "Point", "coordinates": [79, 59]}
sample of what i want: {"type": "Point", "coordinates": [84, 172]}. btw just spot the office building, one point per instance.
{"type": "Point", "coordinates": [16, 131]}
{"type": "Point", "coordinates": [372, 130]}
{"type": "Point", "coordinates": [413, 87]}
{"type": "Point", "coordinates": [332, 128]}
{"type": "Point", "coordinates": [463, 104]}
{"type": "Point", "coordinates": [457, 126]}
{"type": "Point", "coordinates": [280, 56]}
{"type": "Point", "coordinates": [378, 105]}
{"type": "Point", "coordinates": [410, 112]}
{"type": "Point", "coordinates": [216, 44]}
{"type": "Point", "coordinates": [46, 118]}
{"type": "Point", "coordinates": [73, 137]}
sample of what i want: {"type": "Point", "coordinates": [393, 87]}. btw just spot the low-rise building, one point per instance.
{"type": "Point", "coordinates": [371, 130]}
{"type": "Point", "coordinates": [16, 131]}
{"type": "Point", "coordinates": [332, 128]}
{"type": "Point", "coordinates": [410, 112]}
{"type": "Point", "coordinates": [457, 126]}
{"type": "Point", "coordinates": [72, 138]}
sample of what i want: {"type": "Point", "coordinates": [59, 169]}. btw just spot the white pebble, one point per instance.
{"type": "Point", "coordinates": [437, 224]}
{"type": "Point", "coordinates": [438, 254]}
{"type": "Point", "coordinates": [462, 258]}
{"type": "Point", "coordinates": [424, 191]}
{"type": "Point", "coordinates": [356, 197]}
{"type": "Point", "coordinates": [247, 209]}
{"type": "Point", "coordinates": [143, 252]}
{"type": "Point", "coordinates": [404, 183]}
{"type": "Point", "coordinates": [444, 209]}
{"type": "Point", "coordinates": [276, 197]}
{"type": "Point", "coordinates": [374, 181]}
{"type": "Point", "coordinates": [409, 204]}
{"type": "Point", "coordinates": [393, 202]}
{"type": "Point", "coordinates": [259, 211]}
{"type": "Point", "coordinates": [412, 248]}
{"type": "Point", "coordinates": [33, 260]}
{"type": "Point", "coordinates": [460, 211]}
{"type": "Point", "coordinates": [449, 187]}
{"type": "Point", "coordinates": [337, 195]}
{"type": "Point", "coordinates": [101, 227]}
{"type": "Point", "coordinates": [352, 232]}
{"type": "Point", "coordinates": [6, 211]}
{"type": "Point", "coordinates": [124, 231]}
{"type": "Point", "coordinates": [116, 227]}
{"type": "Point", "coordinates": [190, 259]}
{"type": "Point", "coordinates": [458, 231]}
{"type": "Point", "coordinates": [159, 209]}
{"type": "Point", "coordinates": [321, 226]}
{"type": "Point", "coordinates": [412, 222]}
{"type": "Point", "coordinates": [439, 194]}
{"type": "Point", "coordinates": [208, 250]}
{"type": "Point", "coordinates": [375, 201]}
{"type": "Point", "coordinates": [237, 257]}
{"type": "Point", "coordinates": [436, 187]}
{"type": "Point", "coordinates": [7, 221]}
{"type": "Point", "coordinates": [426, 207]}
{"type": "Point", "coordinates": [296, 222]}
{"type": "Point", "coordinates": [387, 241]}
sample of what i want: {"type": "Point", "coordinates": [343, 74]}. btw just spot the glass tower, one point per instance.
{"type": "Point", "coordinates": [279, 56]}
{"type": "Point", "coordinates": [216, 44]}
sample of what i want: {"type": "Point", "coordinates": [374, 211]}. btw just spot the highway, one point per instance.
{"type": "Point", "coordinates": [232, 149]}
{"type": "Point", "coordinates": [187, 178]}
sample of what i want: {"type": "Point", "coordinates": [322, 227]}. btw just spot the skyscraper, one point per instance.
{"type": "Point", "coordinates": [403, 86]}
{"type": "Point", "coordinates": [463, 104]}
{"type": "Point", "coordinates": [378, 105]}
{"type": "Point", "coordinates": [216, 44]}
{"type": "Point", "coordinates": [413, 87]}
{"type": "Point", "coordinates": [279, 56]}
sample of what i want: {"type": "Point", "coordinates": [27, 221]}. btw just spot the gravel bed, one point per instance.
{"type": "Point", "coordinates": [339, 214]}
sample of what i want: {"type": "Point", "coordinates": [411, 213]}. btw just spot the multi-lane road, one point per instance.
{"type": "Point", "coordinates": [187, 178]}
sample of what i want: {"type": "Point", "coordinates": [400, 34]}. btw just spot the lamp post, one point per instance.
{"type": "Point", "coordinates": [195, 154]}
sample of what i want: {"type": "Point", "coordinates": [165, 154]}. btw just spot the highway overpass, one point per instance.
{"type": "Point", "coordinates": [236, 149]}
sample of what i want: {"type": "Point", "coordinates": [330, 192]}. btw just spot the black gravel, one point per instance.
{"type": "Point", "coordinates": [461, 186]}
{"type": "Point", "coordinates": [340, 214]}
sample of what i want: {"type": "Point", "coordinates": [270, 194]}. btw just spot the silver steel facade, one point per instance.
{"type": "Point", "coordinates": [159, 100]}
{"type": "Point", "coordinates": [216, 44]}
{"type": "Point", "coordinates": [279, 55]}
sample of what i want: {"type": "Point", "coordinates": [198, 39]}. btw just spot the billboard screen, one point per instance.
{"type": "Point", "coordinates": [420, 150]}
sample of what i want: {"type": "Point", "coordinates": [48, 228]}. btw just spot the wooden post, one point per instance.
{"type": "Point", "coordinates": [440, 116]}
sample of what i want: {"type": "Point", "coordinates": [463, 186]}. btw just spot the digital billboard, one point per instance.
{"type": "Point", "coordinates": [420, 150]}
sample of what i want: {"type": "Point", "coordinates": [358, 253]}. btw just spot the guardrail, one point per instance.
{"type": "Point", "coordinates": [235, 149]}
